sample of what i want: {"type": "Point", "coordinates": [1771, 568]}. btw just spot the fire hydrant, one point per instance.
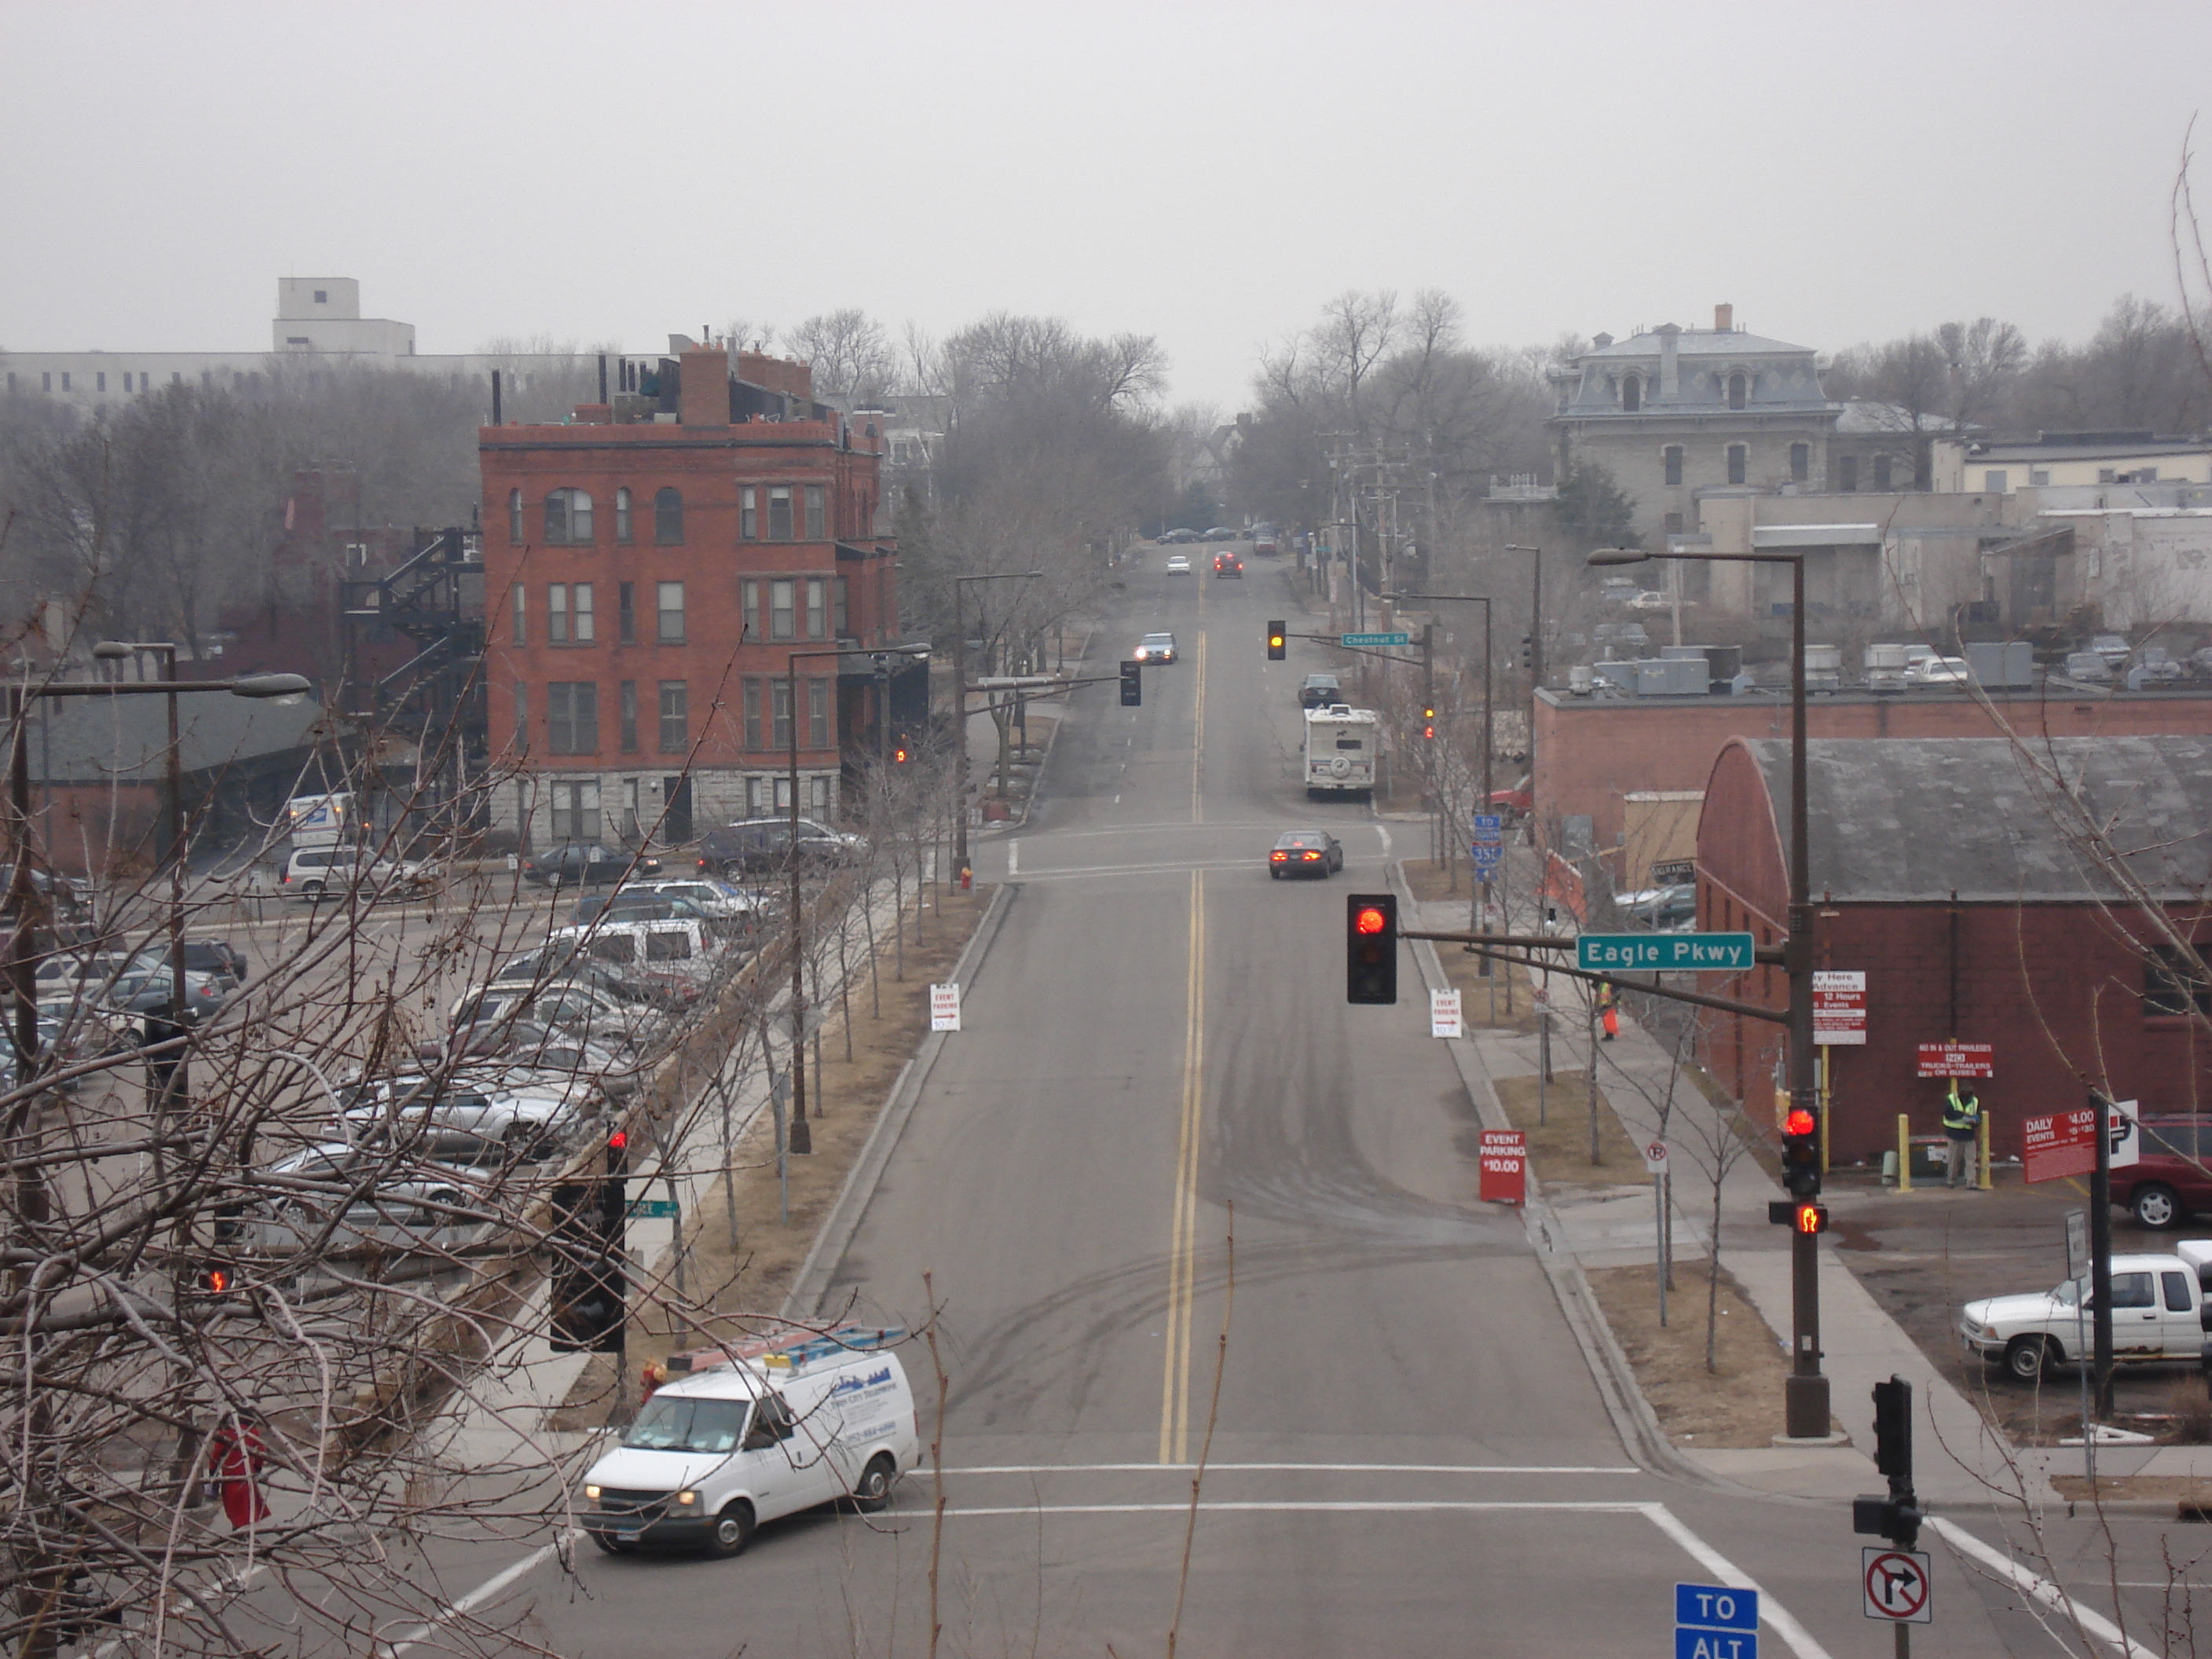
{"type": "Point", "coordinates": [967, 879]}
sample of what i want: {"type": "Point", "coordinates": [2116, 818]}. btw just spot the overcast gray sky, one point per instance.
{"type": "Point", "coordinates": [1209, 173]}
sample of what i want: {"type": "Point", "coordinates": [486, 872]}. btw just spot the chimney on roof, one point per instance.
{"type": "Point", "coordinates": [1725, 319]}
{"type": "Point", "coordinates": [1602, 341]}
{"type": "Point", "coordinates": [1670, 373]}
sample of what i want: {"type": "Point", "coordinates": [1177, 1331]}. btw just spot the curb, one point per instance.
{"type": "Point", "coordinates": [812, 1284]}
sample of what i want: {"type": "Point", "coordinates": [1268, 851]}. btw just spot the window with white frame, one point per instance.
{"type": "Point", "coordinates": [749, 514]}
{"type": "Point", "coordinates": [572, 717]}
{"type": "Point", "coordinates": [669, 606]}
{"type": "Point", "coordinates": [521, 615]}
{"type": "Point", "coordinates": [675, 717]}
{"type": "Point", "coordinates": [818, 788]}
{"type": "Point", "coordinates": [584, 628]}
{"type": "Point", "coordinates": [779, 512]}
{"type": "Point", "coordinates": [818, 714]}
{"type": "Point", "coordinates": [817, 512]}
{"type": "Point", "coordinates": [575, 809]}
{"type": "Point", "coordinates": [514, 515]}
{"type": "Point", "coordinates": [556, 613]}
{"type": "Point", "coordinates": [568, 518]}
{"type": "Point", "coordinates": [817, 608]}
{"type": "Point", "coordinates": [621, 516]}
{"type": "Point", "coordinates": [782, 615]}
{"type": "Point", "coordinates": [779, 704]}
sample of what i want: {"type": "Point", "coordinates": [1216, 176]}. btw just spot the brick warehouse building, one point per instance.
{"type": "Point", "coordinates": [1593, 752]}
{"type": "Point", "coordinates": [650, 568]}
{"type": "Point", "coordinates": [1937, 870]}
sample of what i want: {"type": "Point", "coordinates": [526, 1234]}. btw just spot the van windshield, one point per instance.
{"type": "Point", "coordinates": [672, 1423]}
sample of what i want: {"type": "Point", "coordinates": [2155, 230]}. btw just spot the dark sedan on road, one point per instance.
{"type": "Point", "coordinates": [1305, 853]}
{"type": "Point", "coordinates": [586, 863]}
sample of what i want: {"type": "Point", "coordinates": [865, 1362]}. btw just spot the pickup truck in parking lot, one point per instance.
{"type": "Point", "coordinates": [2158, 1314]}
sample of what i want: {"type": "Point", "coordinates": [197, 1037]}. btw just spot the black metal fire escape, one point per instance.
{"type": "Point", "coordinates": [435, 700]}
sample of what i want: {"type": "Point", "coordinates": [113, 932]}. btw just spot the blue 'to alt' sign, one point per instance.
{"type": "Point", "coordinates": [1712, 1621]}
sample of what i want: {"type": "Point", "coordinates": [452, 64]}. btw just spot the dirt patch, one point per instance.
{"type": "Point", "coordinates": [2182, 1491]}
{"type": "Point", "coordinates": [1502, 1002]}
{"type": "Point", "coordinates": [1739, 1401]}
{"type": "Point", "coordinates": [1556, 1117]}
{"type": "Point", "coordinates": [731, 1290]}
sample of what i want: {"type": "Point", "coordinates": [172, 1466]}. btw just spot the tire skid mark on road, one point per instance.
{"type": "Point", "coordinates": [1183, 1225]}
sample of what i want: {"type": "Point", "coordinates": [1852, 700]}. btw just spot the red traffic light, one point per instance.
{"type": "Point", "coordinates": [1370, 919]}
{"type": "Point", "coordinates": [899, 756]}
{"type": "Point", "coordinates": [1800, 1122]}
{"type": "Point", "coordinates": [617, 1141]}
{"type": "Point", "coordinates": [1811, 1219]}
{"type": "Point", "coordinates": [215, 1281]}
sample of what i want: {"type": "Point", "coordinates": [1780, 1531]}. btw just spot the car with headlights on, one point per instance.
{"type": "Point", "coordinates": [1156, 648]}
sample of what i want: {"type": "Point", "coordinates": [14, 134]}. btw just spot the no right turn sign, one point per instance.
{"type": "Point", "coordinates": [1896, 1585]}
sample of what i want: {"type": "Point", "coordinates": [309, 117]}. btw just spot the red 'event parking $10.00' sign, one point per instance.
{"type": "Point", "coordinates": [1504, 1167]}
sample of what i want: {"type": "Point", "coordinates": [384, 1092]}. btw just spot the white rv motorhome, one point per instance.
{"type": "Point", "coordinates": [1342, 747]}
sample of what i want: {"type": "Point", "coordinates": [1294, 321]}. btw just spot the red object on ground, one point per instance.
{"type": "Point", "coordinates": [967, 879]}
{"type": "Point", "coordinates": [233, 1457]}
{"type": "Point", "coordinates": [1504, 1167]}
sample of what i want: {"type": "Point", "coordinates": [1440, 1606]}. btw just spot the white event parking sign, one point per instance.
{"type": "Point", "coordinates": [1443, 1014]}
{"type": "Point", "coordinates": [945, 1007]}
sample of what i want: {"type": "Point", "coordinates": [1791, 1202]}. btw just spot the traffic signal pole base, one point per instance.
{"type": "Point", "coordinates": [1805, 1413]}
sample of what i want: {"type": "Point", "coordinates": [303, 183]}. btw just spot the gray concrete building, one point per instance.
{"type": "Point", "coordinates": [1672, 412]}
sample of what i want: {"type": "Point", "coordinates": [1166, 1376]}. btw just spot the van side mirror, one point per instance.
{"type": "Point", "coordinates": [760, 1437]}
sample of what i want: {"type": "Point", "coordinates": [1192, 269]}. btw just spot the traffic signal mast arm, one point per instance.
{"type": "Point", "coordinates": [1476, 944]}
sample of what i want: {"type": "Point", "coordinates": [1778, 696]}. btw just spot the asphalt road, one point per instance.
{"type": "Point", "coordinates": [1407, 1452]}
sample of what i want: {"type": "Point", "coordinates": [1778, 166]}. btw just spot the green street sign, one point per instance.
{"type": "Point", "coordinates": [653, 1209]}
{"type": "Point", "coordinates": [1663, 953]}
{"type": "Point", "coordinates": [1374, 639]}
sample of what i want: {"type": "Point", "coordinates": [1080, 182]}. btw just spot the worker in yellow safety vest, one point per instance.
{"type": "Point", "coordinates": [1962, 1126]}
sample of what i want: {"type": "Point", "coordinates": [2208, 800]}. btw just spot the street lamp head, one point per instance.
{"type": "Point", "coordinates": [1604, 556]}
{"type": "Point", "coordinates": [282, 689]}
{"type": "Point", "coordinates": [110, 651]}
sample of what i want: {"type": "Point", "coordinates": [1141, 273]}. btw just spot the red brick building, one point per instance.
{"type": "Point", "coordinates": [651, 570]}
{"type": "Point", "coordinates": [1593, 752]}
{"type": "Point", "coordinates": [1940, 870]}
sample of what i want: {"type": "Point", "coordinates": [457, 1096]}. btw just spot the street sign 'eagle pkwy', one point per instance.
{"type": "Point", "coordinates": [1663, 953]}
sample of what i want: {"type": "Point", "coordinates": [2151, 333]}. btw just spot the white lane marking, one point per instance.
{"type": "Point", "coordinates": [1349, 1506]}
{"type": "Point", "coordinates": [484, 1592]}
{"type": "Point", "coordinates": [1013, 858]}
{"type": "Point", "coordinates": [1385, 834]}
{"type": "Point", "coordinates": [1322, 1468]}
{"type": "Point", "coordinates": [2041, 1590]}
{"type": "Point", "coordinates": [1785, 1623]}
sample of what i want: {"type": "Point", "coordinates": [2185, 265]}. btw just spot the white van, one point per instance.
{"type": "Point", "coordinates": [678, 948]}
{"type": "Point", "coordinates": [762, 1434]}
{"type": "Point", "coordinates": [1342, 746]}
{"type": "Point", "coordinates": [319, 820]}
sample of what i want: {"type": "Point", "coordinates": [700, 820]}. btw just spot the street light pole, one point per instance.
{"type": "Point", "coordinates": [960, 696]}
{"type": "Point", "coordinates": [801, 1136]}
{"type": "Point", "coordinates": [1804, 1391]}
{"type": "Point", "coordinates": [1536, 657]}
{"type": "Point", "coordinates": [1488, 723]}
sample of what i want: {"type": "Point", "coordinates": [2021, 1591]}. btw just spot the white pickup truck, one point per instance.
{"type": "Point", "coordinates": [2159, 1313]}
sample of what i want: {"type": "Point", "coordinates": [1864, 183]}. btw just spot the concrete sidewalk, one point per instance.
{"type": "Point", "coordinates": [1961, 1460]}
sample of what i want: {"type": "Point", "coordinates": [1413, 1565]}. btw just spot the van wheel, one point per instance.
{"type": "Point", "coordinates": [2029, 1357]}
{"type": "Point", "coordinates": [312, 892]}
{"type": "Point", "coordinates": [2157, 1207]}
{"type": "Point", "coordinates": [732, 1530]}
{"type": "Point", "coordinates": [873, 1491]}
{"type": "Point", "coordinates": [613, 1545]}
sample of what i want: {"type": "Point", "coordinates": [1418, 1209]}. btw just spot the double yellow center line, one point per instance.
{"type": "Point", "coordinates": [1183, 1223]}
{"type": "Point", "coordinates": [1182, 1226]}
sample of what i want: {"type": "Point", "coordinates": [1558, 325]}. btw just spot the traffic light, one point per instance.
{"type": "Point", "coordinates": [1133, 684]}
{"type": "Point", "coordinates": [1896, 1517]}
{"type": "Point", "coordinates": [1370, 948]}
{"type": "Point", "coordinates": [214, 1279]}
{"type": "Point", "coordinates": [1527, 650]}
{"type": "Point", "coordinates": [1800, 1153]}
{"type": "Point", "coordinates": [587, 1283]}
{"type": "Point", "coordinates": [1429, 721]}
{"type": "Point", "coordinates": [900, 753]}
{"type": "Point", "coordinates": [1278, 641]}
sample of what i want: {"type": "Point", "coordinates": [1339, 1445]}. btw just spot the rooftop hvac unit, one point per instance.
{"type": "Point", "coordinates": [1669, 677]}
{"type": "Point", "coordinates": [1999, 665]}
